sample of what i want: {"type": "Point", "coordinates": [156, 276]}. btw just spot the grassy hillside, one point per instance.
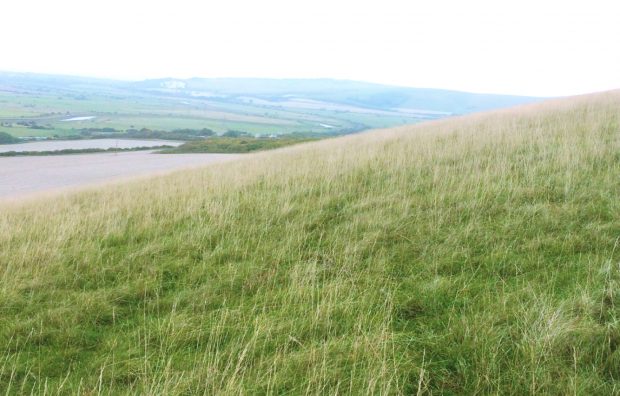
{"type": "Point", "coordinates": [471, 255]}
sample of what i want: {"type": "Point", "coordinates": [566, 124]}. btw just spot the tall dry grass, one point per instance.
{"type": "Point", "coordinates": [475, 255]}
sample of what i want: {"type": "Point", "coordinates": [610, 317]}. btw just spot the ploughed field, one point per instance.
{"type": "Point", "coordinates": [473, 255]}
{"type": "Point", "coordinates": [23, 176]}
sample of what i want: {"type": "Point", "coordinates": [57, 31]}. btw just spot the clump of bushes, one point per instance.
{"type": "Point", "coordinates": [78, 151]}
{"type": "Point", "coordinates": [6, 138]}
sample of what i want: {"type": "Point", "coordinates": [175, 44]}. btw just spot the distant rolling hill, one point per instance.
{"type": "Point", "coordinates": [343, 92]}
{"type": "Point", "coordinates": [48, 105]}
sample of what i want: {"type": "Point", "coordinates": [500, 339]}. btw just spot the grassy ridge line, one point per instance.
{"type": "Point", "coordinates": [473, 255]}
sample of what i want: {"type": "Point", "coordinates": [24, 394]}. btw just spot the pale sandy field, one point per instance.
{"type": "Point", "coordinates": [23, 176]}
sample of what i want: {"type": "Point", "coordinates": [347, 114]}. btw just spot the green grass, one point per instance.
{"type": "Point", "coordinates": [245, 144]}
{"type": "Point", "coordinates": [477, 255]}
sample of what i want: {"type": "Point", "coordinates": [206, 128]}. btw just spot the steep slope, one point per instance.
{"type": "Point", "coordinates": [471, 255]}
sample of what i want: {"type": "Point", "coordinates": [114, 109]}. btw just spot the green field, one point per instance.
{"type": "Point", "coordinates": [138, 110]}
{"type": "Point", "coordinates": [49, 112]}
{"type": "Point", "coordinates": [475, 255]}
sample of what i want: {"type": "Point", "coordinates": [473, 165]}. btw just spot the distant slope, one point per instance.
{"type": "Point", "coordinates": [352, 93]}
{"type": "Point", "coordinates": [475, 255]}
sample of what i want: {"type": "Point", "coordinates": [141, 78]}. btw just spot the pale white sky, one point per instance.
{"type": "Point", "coordinates": [532, 47]}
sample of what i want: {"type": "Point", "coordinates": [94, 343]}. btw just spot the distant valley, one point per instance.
{"type": "Point", "coordinates": [47, 106]}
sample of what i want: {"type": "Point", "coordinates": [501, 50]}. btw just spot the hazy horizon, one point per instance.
{"type": "Point", "coordinates": [553, 49]}
{"type": "Point", "coordinates": [253, 78]}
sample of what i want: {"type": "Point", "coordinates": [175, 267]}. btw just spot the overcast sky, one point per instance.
{"type": "Point", "coordinates": [532, 47]}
